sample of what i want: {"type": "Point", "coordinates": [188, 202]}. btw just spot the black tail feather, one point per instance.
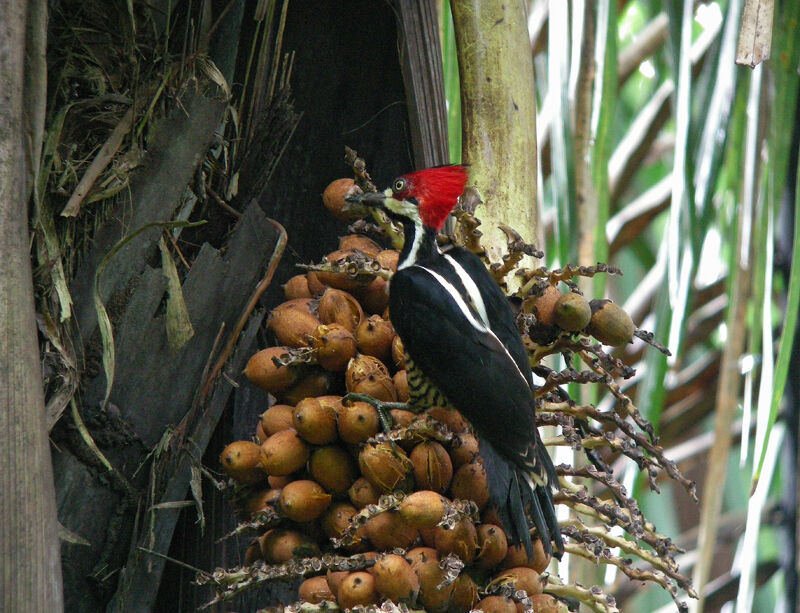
{"type": "Point", "coordinates": [545, 495]}
{"type": "Point", "coordinates": [512, 489]}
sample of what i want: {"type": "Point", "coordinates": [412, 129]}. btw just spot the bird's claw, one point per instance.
{"type": "Point", "coordinates": [383, 408]}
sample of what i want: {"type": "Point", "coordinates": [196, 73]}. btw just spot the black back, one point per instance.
{"type": "Point", "coordinates": [484, 374]}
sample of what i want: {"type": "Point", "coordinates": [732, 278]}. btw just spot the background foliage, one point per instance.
{"type": "Point", "coordinates": [662, 156]}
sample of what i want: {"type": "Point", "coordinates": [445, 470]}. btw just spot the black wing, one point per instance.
{"type": "Point", "coordinates": [472, 367]}
{"type": "Point", "coordinates": [498, 309]}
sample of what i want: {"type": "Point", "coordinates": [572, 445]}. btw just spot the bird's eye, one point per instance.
{"type": "Point", "coordinates": [399, 185]}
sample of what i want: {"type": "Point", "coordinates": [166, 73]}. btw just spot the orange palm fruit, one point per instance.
{"type": "Point", "coordinates": [433, 468]}
{"type": "Point", "coordinates": [395, 579]}
{"type": "Point", "coordinates": [356, 589]}
{"type": "Point", "coordinates": [297, 287]}
{"type": "Point", "coordinates": [335, 346]}
{"type": "Point", "coordinates": [338, 307]}
{"type": "Point", "coordinates": [262, 371]}
{"type": "Point", "coordinates": [315, 590]}
{"type": "Point", "coordinates": [244, 462]}
{"type": "Point", "coordinates": [285, 452]}
{"type": "Point", "coordinates": [304, 500]}
{"type": "Point", "coordinates": [334, 198]}
{"type": "Point", "coordinates": [315, 422]}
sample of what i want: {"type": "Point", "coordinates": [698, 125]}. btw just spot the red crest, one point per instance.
{"type": "Point", "coordinates": [436, 190]}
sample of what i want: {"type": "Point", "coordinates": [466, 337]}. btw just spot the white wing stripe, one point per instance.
{"type": "Point", "coordinates": [471, 288]}
{"type": "Point", "coordinates": [465, 310]}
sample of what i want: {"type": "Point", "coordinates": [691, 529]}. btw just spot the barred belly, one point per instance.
{"type": "Point", "coordinates": [422, 392]}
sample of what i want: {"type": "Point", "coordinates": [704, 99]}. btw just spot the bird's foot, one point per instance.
{"type": "Point", "coordinates": [383, 408]}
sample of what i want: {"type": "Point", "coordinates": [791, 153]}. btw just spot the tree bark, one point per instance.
{"type": "Point", "coordinates": [29, 546]}
{"type": "Point", "coordinates": [498, 117]}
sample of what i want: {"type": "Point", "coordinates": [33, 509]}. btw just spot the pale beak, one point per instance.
{"type": "Point", "coordinates": [368, 200]}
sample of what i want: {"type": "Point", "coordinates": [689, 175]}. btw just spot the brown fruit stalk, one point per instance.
{"type": "Point", "coordinates": [340, 280]}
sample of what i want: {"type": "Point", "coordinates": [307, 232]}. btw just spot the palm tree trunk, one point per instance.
{"type": "Point", "coordinates": [29, 546]}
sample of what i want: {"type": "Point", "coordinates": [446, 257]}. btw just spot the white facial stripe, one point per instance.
{"type": "Point", "coordinates": [409, 211]}
{"type": "Point", "coordinates": [419, 236]}
{"type": "Point", "coordinates": [465, 310]}
{"type": "Point", "coordinates": [472, 289]}
{"type": "Point", "coordinates": [401, 207]}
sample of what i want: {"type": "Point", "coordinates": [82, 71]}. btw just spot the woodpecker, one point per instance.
{"type": "Point", "coordinates": [463, 350]}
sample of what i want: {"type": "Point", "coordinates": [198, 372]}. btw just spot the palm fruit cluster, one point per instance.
{"type": "Point", "coordinates": [555, 312]}
{"type": "Point", "coordinates": [400, 519]}
{"type": "Point", "coordinates": [321, 477]}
